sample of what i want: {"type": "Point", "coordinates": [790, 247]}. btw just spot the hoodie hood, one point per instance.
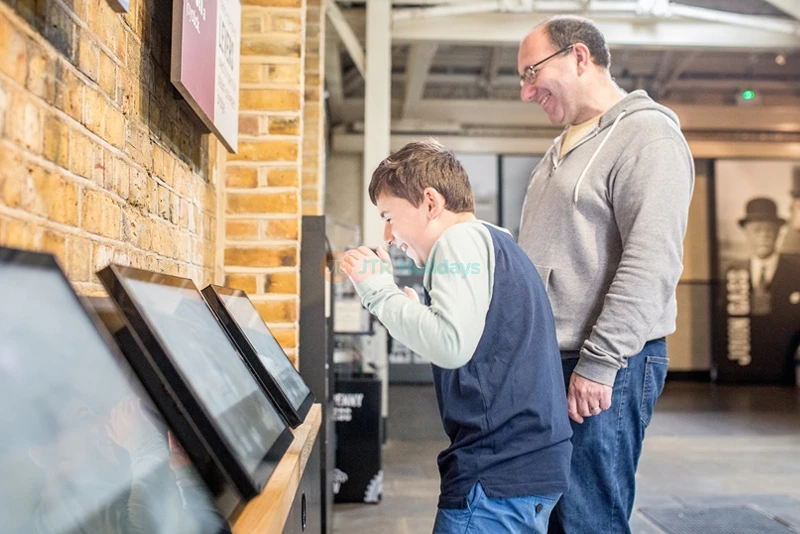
{"type": "Point", "coordinates": [632, 103]}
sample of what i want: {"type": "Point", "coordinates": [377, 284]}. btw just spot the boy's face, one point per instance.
{"type": "Point", "coordinates": [405, 226]}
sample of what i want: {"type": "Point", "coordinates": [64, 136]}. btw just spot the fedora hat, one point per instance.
{"type": "Point", "coordinates": [761, 209]}
{"type": "Point", "coordinates": [796, 183]}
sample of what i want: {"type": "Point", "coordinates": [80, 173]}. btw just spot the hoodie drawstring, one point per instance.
{"type": "Point", "coordinates": [591, 160]}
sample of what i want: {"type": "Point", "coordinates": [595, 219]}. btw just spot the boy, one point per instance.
{"type": "Point", "coordinates": [488, 330]}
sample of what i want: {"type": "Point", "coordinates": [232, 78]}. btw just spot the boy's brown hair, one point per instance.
{"type": "Point", "coordinates": [406, 173]}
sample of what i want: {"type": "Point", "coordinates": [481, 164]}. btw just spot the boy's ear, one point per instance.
{"type": "Point", "coordinates": [434, 201]}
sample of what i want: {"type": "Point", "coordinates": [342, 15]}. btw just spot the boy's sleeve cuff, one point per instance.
{"type": "Point", "coordinates": [368, 286]}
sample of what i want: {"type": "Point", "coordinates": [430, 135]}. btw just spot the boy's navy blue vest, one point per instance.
{"type": "Point", "coordinates": [505, 411]}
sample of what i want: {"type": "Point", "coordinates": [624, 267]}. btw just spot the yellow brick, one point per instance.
{"type": "Point", "coordinates": [121, 175]}
{"type": "Point", "coordinates": [288, 73]}
{"type": "Point", "coordinates": [114, 127]}
{"type": "Point", "coordinates": [56, 141]}
{"type": "Point", "coordinates": [246, 282]}
{"type": "Point", "coordinates": [138, 188]}
{"type": "Point", "coordinates": [252, 21]}
{"type": "Point", "coordinates": [263, 256]}
{"type": "Point", "coordinates": [310, 177]}
{"type": "Point", "coordinates": [273, 3]}
{"type": "Point", "coordinates": [278, 311]}
{"type": "Point", "coordinates": [286, 23]}
{"type": "Point", "coordinates": [310, 195]}
{"type": "Point", "coordinates": [241, 230]}
{"type": "Point", "coordinates": [100, 214]}
{"type": "Point", "coordinates": [94, 111]}
{"type": "Point", "coordinates": [311, 209]}
{"type": "Point", "coordinates": [57, 196]}
{"type": "Point", "coordinates": [286, 337]}
{"type": "Point", "coordinates": [12, 51]}
{"type": "Point", "coordinates": [241, 176]}
{"type": "Point", "coordinates": [88, 57]}
{"type": "Point", "coordinates": [251, 73]}
{"type": "Point", "coordinates": [56, 244]}
{"type": "Point", "coordinates": [281, 283]}
{"type": "Point", "coordinates": [163, 202]}
{"type": "Point", "coordinates": [282, 229]}
{"type": "Point", "coordinates": [108, 76]}
{"type": "Point", "coordinates": [262, 203]}
{"type": "Point", "coordinates": [81, 154]}
{"type": "Point", "coordinates": [20, 234]}
{"type": "Point", "coordinates": [12, 177]}
{"type": "Point", "coordinates": [41, 79]}
{"type": "Point", "coordinates": [249, 125]}
{"type": "Point", "coordinates": [282, 178]}
{"type": "Point", "coordinates": [24, 122]}
{"type": "Point", "coordinates": [131, 94]}
{"type": "Point", "coordinates": [312, 64]}
{"type": "Point", "coordinates": [272, 46]}
{"type": "Point", "coordinates": [284, 125]}
{"type": "Point", "coordinates": [69, 91]}
{"type": "Point", "coordinates": [269, 100]}
{"type": "Point", "coordinates": [313, 87]}
{"type": "Point", "coordinates": [266, 151]}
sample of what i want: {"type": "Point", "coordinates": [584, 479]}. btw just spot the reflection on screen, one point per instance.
{"type": "Point", "coordinates": [269, 350]}
{"type": "Point", "coordinates": [212, 368]}
{"type": "Point", "coordinates": [80, 448]}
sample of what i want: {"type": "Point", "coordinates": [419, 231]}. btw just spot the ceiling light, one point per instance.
{"type": "Point", "coordinates": [780, 59]}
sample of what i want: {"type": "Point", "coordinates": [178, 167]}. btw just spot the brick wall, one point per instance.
{"type": "Point", "coordinates": [262, 195]}
{"type": "Point", "coordinates": [100, 161]}
{"type": "Point", "coordinates": [313, 111]}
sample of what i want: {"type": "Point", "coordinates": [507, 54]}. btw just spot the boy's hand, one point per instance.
{"type": "Point", "coordinates": [410, 293]}
{"type": "Point", "coordinates": [361, 263]}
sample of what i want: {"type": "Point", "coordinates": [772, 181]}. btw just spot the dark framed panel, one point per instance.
{"type": "Point", "coordinates": [180, 341]}
{"type": "Point", "coordinates": [84, 448]}
{"type": "Point", "coordinates": [755, 223]}
{"type": "Point", "coordinates": [262, 352]}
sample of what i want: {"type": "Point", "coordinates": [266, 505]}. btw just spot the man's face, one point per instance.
{"type": "Point", "coordinates": [404, 226]}
{"type": "Point", "coordinates": [555, 88]}
{"type": "Point", "coordinates": [761, 235]}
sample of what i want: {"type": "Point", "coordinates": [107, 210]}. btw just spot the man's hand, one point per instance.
{"type": "Point", "coordinates": [586, 398]}
{"type": "Point", "coordinates": [361, 263]}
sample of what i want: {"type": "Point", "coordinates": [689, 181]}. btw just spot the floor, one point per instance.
{"type": "Point", "coordinates": [707, 446]}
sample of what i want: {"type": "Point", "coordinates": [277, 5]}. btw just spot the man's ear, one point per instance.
{"type": "Point", "coordinates": [584, 57]}
{"type": "Point", "coordinates": [434, 202]}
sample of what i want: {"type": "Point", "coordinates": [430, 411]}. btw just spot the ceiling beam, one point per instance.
{"type": "Point", "coordinates": [510, 114]}
{"type": "Point", "coordinates": [621, 31]}
{"type": "Point", "coordinates": [790, 7]}
{"type": "Point", "coordinates": [347, 35]}
{"type": "Point", "coordinates": [680, 68]}
{"type": "Point", "coordinates": [420, 57]}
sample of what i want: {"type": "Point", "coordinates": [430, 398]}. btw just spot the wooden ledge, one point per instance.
{"type": "Point", "coordinates": [268, 511]}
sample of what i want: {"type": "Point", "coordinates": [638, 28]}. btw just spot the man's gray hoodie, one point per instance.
{"type": "Point", "coordinates": [605, 226]}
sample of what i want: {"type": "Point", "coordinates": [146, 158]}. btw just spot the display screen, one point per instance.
{"type": "Point", "coordinates": [269, 351]}
{"type": "Point", "coordinates": [82, 449]}
{"type": "Point", "coordinates": [209, 364]}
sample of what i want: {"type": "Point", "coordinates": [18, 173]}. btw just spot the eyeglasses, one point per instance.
{"type": "Point", "coordinates": [530, 72]}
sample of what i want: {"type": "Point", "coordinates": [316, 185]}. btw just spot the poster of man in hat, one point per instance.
{"type": "Point", "coordinates": [757, 302]}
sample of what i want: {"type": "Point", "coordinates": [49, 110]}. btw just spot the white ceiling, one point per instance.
{"type": "Point", "coordinates": [690, 59]}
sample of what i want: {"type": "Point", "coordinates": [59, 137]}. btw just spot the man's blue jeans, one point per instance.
{"type": "Point", "coordinates": [486, 515]}
{"type": "Point", "coordinates": [606, 449]}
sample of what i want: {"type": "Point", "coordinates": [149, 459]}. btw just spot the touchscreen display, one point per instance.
{"type": "Point", "coordinates": [82, 448]}
{"type": "Point", "coordinates": [209, 364]}
{"type": "Point", "coordinates": [269, 351]}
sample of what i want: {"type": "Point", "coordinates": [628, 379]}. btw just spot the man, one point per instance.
{"type": "Point", "coordinates": [603, 221]}
{"type": "Point", "coordinates": [791, 243]}
{"type": "Point", "coordinates": [774, 294]}
{"type": "Point", "coordinates": [487, 328]}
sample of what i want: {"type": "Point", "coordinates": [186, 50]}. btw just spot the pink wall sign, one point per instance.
{"type": "Point", "coordinates": [205, 62]}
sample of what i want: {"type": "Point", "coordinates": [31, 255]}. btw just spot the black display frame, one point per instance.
{"type": "Point", "coordinates": [47, 261]}
{"type": "Point", "coordinates": [164, 374]}
{"type": "Point", "coordinates": [214, 298]}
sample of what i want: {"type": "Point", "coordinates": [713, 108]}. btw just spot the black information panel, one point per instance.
{"type": "Point", "coordinates": [261, 351]}
{"type": "Point", "coordinates": [178, 335]}
{"type": "Point", "coordinates": [358, 476]}
{"type": "Point", "coordinates": [82, 447]}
